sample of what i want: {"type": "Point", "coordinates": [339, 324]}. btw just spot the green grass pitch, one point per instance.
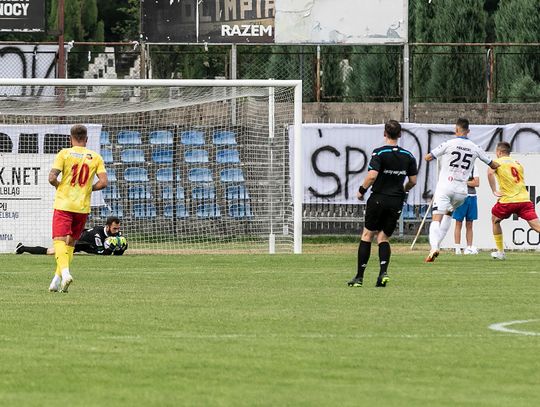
{"type": "Point", "coordinates": [260, 330]}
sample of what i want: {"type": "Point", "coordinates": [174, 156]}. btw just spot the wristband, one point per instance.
{"type": "Point", "coordinates": [362, 190]}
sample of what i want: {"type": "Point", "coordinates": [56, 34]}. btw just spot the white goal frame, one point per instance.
{"type": "Point", "coordinates": [296, 167]}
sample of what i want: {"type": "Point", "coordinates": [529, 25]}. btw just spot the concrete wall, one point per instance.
{"type": "Point", "coordinates": [374, 113]}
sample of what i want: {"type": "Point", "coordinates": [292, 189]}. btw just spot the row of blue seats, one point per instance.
{"type": "Point", "coordinates": [410, 212]}
{"type": "Point", "coordinates": [166, 137]}
{"type": "Point", "coordinates": [240, 210]}
{"type": "Point", "coordinates": [208, 192]}
{"type": "Point", "coordinates": [140, 174]}
{"type": "Point", "coordinates": [165, 156]}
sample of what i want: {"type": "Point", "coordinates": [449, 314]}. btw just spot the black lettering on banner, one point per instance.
{"type": "Point", "coordinates": [2, 175]}
{"type": "Point", "coordinates": [320, 173]}
{"type": "Point", "coordinates": [348, 170]}
{"type": "Point", "coordinates": [521, 131]}
{"type": "Point", "coordinates": [514, 237]}
{"type": "Point", "coordinates": [531, 237]}
{"type": "Point", "coordinates": [15, 176]}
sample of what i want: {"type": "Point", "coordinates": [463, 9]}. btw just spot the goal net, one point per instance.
{"type": "Point", "coordinates": [192, 165]}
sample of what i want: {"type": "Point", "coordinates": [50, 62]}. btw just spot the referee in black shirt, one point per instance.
{"type": "Point", "coordinates": [389, 166]}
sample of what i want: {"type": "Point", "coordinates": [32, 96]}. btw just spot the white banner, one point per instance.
{"type": "Point", "coordinates": [26, 197]}
{"type": "Point", "coordinates": [26, 200]}
{"type": "Point", "coordinates": [336, 156]}
{"type": "Point", "coordinates": [516, 232]}
{"type": "Point", "coordinates": [341, 22]}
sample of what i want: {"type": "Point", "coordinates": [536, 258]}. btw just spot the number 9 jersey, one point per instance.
{"type": "Point", "coordinates": [457, 162]}
{"type": "Point", "coordinates": [78, 165]}
{"type": "Point", "coordinates": [511, 183]}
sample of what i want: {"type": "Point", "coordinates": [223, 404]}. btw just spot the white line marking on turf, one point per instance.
{"type": "Point", "coordinates": [502, 327]}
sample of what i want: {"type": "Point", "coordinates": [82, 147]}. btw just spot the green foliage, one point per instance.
{"type": "Point", "coordinates": [517, 21]}
{"type": "Point", "coordinates": [333, 73]}
{"type": "Point", "coordinates": [375, 74]}
{"type": "Point", "coordinates": [125, 26]}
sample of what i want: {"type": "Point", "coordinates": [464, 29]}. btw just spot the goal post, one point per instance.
{"type": "Point", "coordinates": [194, 165]}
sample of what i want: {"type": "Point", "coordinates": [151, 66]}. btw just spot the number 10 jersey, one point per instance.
{"type": "Point", "coordinates": [78, 165]}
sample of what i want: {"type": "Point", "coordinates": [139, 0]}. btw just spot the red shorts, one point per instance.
{"type": "Point", "coordinates": [525, 210]}
{"type": "Point", "coordinates": [68, 223]}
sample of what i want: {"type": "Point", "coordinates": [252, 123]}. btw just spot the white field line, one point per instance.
{"type": "Point", "coordinates": [502, 327]}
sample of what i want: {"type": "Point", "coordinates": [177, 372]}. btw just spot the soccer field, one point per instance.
{"type": "Point", "coordinates": [244, 330]}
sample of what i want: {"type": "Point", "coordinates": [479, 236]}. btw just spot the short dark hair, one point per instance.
{"type": "Point", "coordinates": [392, 129]}
{"type": "Point", "coordinates": [112, 219]}
{"type": "Point", "coordinates": [79, 132]}
{"type": "Point", "coordinates": [504, 147]}
{"type": "Point", "coordinates": [462, 123]}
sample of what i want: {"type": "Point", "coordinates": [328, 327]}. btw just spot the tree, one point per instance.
{"type": "Point", "coordinates": [518, 68]}
{"type": "Point", "coordinates": [458, 73]}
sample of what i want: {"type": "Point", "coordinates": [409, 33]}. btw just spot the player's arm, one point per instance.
{"type": "Point", "coordinates": [53, 177]}
{"type": "Point", "coordinates": [367, 183]}
{"type": "Point", "coordinates": [101, 182]}
{"type": "Point", "coordinates": [474, 182]}
{"type": "Point", "coordinates": [411, 182]}
{"type": "Point", "coordinates": [493, 182]}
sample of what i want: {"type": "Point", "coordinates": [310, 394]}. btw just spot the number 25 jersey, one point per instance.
{"type": "Point", "coordinates": [457, 157]}
{"type": "Point", "coordinates": [78, 165]}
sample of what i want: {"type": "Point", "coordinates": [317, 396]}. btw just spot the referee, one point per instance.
{"type": "Point", "coordinates": [389, 166]}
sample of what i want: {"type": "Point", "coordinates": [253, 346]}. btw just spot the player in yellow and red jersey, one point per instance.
{"type": "Point", "coordinates": [513, 196]}
{"type": "Point", "coordinates": [78, 166]}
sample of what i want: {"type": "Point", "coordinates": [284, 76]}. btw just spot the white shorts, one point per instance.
{"type": "Point", "coordinates": [446, 200]}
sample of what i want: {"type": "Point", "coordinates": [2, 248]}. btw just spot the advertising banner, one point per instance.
{"type": "Point", "coordinates": [26, 197]}
{"type": "Point", "coordinates": [22, 15]}
{"type": "Point", "coordinates": [279, 21]}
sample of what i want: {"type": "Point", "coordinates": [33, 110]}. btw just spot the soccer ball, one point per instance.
{"type": "Point", "coordinates": [122, 243]}
{"type": "Point", "coordinates": [111, 243]}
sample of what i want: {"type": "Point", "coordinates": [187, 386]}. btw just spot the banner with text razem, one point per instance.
{"type": "Point", "coordinates": [26, 197]}
{"type": "Point", "coordinates": [335, 157]}
{"type": "Point", "coordinates": [22, 15]}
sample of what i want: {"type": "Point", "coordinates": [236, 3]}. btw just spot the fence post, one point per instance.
{"type": "Point", "coordinates": [489, 74]}
{"type": "Point", "coordinates": [318, 73]}
{"type": "Point", "coordinates": [406, 82]}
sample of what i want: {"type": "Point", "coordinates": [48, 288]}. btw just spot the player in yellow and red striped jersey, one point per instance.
{"type": "Point", "coordinates": [78, 166]}
{"type": "Point", "coordinates": [513, 196]}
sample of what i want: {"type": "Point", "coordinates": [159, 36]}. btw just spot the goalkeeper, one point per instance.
{"type": "Point", "coordinates": [102, 240]}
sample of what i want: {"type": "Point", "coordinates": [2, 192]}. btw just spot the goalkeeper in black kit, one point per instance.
{"type": "Point", "coordinates": [102, 240]}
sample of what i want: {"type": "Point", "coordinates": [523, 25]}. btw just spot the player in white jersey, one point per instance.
{"type": "Point", "coordinates": [456, 158]}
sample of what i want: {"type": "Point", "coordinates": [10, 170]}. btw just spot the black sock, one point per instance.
{"type": "Point", "coordinates": [34, 249]}
{"type": "Point", "coordinates": [364, 250]}
{"type": "Point", "coordinates": [384, 256]}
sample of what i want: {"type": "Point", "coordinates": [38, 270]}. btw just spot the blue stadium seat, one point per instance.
{"type": "Point", "coordinates": [167, 193]}
{"type": "Point", "coordinates": [139, 192]}
{"type": "Point", "coordinates": [408, 212]}
{"type": "Point", "coordinates": [136, 174]}
{"type": "Point", "coordinates": [200, 175]}
{"type": "Point", "coordinates": [115, 209]}
{"type": "Point", "coordinates": [208, 211]}
{"type": "Point", "coordinates": [144, 210]}
{"type": "Point", "coordinates": [162, 156]}
{"type": "Point", "coordinates": [181, 211]}
{"type": "Point", "coordinates": [227, 157]}
{"type": "Point", "coordinates": [104, 139]}
{"type": "Point", "coordinates": [128, 137]}
{"type": "Point", "coordinates": [192, 138]}
{"type": "Point", "coordinates": [111, 192]}
{"type": "Point", "coordinates": [224, 138]}
{"type": "Point", "coordinates": [132, 156]}
{"type": "Point", "coordinates": [111, 174]}
{"type": "Point", "coordinates": [107, 156]}
{"type": "Point", "coordinates": [166, 175]}
{"type": "Point", "coordinates": [423, 209]}
{"type": "Point", "coordinates": [232, 175]}
{"type": "Point", "coordinates": [240, 210]}
{"type": "Point", "coordinates": [196, 156]}
{"type": "Point", "coordinates": [161, 137]}
{"type": "Point", "coordinates": [204, 192]}
{"type": "Point", "coordinates": [236, 192]}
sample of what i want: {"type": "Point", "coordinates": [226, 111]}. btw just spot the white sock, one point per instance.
{"type": "Point", "coordinates": [443, 228]}
{"type": "Point", "coordinates": [65, 273]}
{"type": "Point", "coordinates": [434, 235]}
{"type": "Point", "coordinates": [55, 281]}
